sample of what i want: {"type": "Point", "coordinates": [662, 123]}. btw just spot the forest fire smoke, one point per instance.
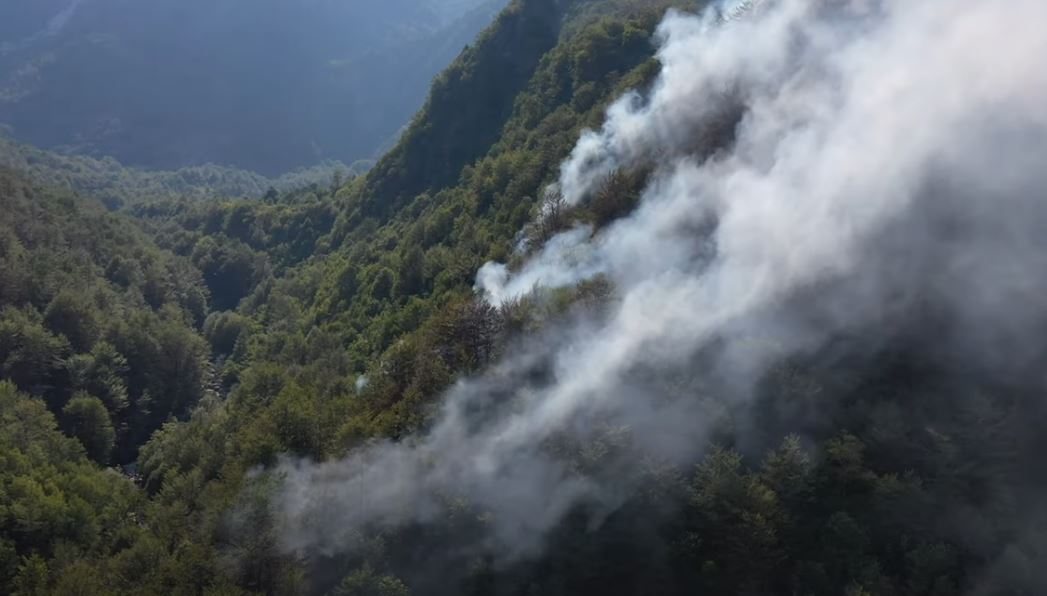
{"type": "Point", "coordinates": [871, 131]}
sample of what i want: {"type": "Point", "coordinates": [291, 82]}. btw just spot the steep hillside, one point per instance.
{"type": "Point", "coordinates": [90, 308]}
{"type": "Point", "coordinates": [267, 87]}
{"type": "Point", "coordinates": [282, 351]}
{"type": "Point", "coordinates": [643, 301]}
{"type": "Point", "coordinates": [54, 497]}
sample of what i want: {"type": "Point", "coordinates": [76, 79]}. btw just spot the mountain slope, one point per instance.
{"type": "Point", "coordinates": [90, 306]}
{"type": "Point", "coordinates": [281, 351]}
{"type": "Point", "coordinates": [628, 309]}
{"type": "Point", "coordinates": [267, 87]}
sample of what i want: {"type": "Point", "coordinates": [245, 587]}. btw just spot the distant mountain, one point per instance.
{"type": "Point", "coordinates": [266, 85]}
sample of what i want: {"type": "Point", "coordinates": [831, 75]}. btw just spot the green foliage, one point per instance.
{"type": "Point", "coordinates": [117, 185]}
{"type": "Point", "coordinates": [71, 315]}
{"type": "Point", "coordinates": [51, 497]}
{"type": "Point", "coordinates": [371, 281]}
{"type": "Point", "coordinates": [99, 309]}
{"type": "Point", "coordinates": [102, 373]}
{"type": "Point", "coordinates": [466, 110]}
{"type": "Point", "coordinates": [288, 229]}
{"type": "Point", "coordinates": [230, 269]}
{"type": "Point", "coordinates": [32, 578]}
{"type": "Point", "coordinates": [87, 419]}
{"type": "Point", "coordinates": [311, 289]}
{"type": "Point", "coordinates": [367, 582]}
{"type": "Point", "coordinates": [224, 330]}
{"type": "Point", "coordinates": [30, 355]}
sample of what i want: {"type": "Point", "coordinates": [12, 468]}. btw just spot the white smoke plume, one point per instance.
{"type": "Point", "coordinates": [888, 152]}
{"type": "Point", "coordinates": [54, 27]}
{"type": "Point", "coordinates": [58, 23]}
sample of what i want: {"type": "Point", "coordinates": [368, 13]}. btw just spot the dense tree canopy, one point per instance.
{"type": "Point", "coordinates": [158, 362]}
{"type": "Point", "coordinates": [92, 313]}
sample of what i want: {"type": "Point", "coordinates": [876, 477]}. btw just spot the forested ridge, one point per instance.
{"type": "Point", "coordinates": [170, 361]}
{"type": "Point", "coordinates": [116, 185]}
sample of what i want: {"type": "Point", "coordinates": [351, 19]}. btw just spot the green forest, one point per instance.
{"type": "Point", "coordinates": [171, 343]}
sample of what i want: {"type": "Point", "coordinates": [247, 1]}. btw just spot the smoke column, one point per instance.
{"type": "Point", "coordinates": [889, 153]}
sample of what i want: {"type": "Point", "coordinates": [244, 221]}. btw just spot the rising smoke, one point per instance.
{"type": "Point", "coordinates": [889, 155]}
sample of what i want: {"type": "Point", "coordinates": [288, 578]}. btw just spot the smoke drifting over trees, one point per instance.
{"type": "Point", "coordinates": [882, 182]}
{"type": "Point", "coordinates": [742, 301]}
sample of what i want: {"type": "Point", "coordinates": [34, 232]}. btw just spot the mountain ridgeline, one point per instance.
{"type": "Point", "coordinates": [117, 185]}
{"type": "Point", "coordinates": [264, 86]}
{"type": "Point", "coordinates": [650, 297]}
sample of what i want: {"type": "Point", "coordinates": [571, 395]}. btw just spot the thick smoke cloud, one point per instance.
{"type": "Point", "coordinates": [889, 154]}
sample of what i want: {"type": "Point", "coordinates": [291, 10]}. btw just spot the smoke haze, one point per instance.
{"type": "Point", "coordinates": [888, 161]}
